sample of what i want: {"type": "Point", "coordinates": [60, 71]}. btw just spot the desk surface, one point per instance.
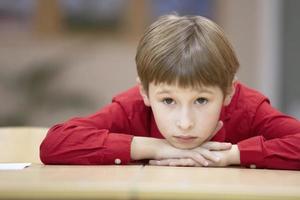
{"type": "Point", "coordinates": [147, 182]}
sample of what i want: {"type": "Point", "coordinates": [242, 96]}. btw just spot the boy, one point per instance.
{"type": "Point", "coordinates": [187, 110]}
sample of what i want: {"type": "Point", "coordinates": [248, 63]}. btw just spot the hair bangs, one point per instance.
{"type": "Point", "coordinates": [190, 64]}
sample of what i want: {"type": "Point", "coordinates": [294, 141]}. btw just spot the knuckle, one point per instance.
{"type": "Point", "coordinates": [191, 162]}
{"type": "Point", "coordinates": [193, 155]}
{"type": "Point", "coordinates": [183, 163]}
{"type": "Point", "coordinates": [205, 152]}
{"type": "Point", "coordinates": [216, 145]}
{"type": "Point", "coordinates": [209, 145]}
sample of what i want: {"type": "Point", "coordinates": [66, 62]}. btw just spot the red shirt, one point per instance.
{"type": "Point", "coordinates": [266, 138]}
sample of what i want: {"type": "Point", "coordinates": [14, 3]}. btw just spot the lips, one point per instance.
{"type": "Point", "coordinates": [185, 139]}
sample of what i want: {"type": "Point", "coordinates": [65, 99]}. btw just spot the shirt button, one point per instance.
{"type": "Point", "coordinates": [253, 166]}
{"type": "Point", "coordinates": [117, 161]}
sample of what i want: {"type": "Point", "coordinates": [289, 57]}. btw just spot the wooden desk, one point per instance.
{"type": "Point", "coordinates": [147, 182]}
{"type": "Point", "coordinates": [68, 182]}
{"type": "Point", "coordinates": [21, 144]}
{"type": "Point", "coordinates": [217, 183]}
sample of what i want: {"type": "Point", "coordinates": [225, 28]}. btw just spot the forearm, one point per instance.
{"type": "Point", "coordinates": [146, 147]}
{"type": "Point", "coordinates": [277, 153]}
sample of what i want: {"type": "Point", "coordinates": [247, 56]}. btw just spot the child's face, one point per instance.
{"type": "Point", "coordinates": [186, 117]}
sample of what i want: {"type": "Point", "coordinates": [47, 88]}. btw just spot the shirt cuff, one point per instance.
{"type": "Point", "coordinates": [117, 149]}
{"type": "Point", "coordinates": [251, 152]}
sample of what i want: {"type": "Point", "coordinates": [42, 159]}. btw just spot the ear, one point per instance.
{"type": "Point", "coordinates": [230, 94]}
{"type": "Point", "coordinates": [143, 92]}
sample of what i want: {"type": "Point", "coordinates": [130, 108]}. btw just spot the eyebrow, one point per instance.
{"type": "Point", "coordinates": [166, 91]}
{"type": "Point", "coordinates": [205, 91]}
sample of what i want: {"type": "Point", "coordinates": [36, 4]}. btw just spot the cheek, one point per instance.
{"type": "Point", "coordinates": [206, 125]}
{"type": "Point", "coordinates": [213, 111]}
{"type": "Point", "coordinates": [163, 119]}
{"type": "Point", "coordinates": [208, 119]}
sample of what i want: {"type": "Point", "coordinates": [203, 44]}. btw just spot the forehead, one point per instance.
{"type": "Point", "coordinates": [163, 88]}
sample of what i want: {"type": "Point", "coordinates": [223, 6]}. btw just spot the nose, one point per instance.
{"type": "Point", "coordinates": [185, 120]}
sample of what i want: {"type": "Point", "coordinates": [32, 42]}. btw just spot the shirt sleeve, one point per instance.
{"type": "Point", "coordinates": [102, 138]}
{"type": "Point", "coordinates": [275, 143]}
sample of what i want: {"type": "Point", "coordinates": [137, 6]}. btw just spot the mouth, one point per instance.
{"type": "Point", "coordinates": [185, 139]}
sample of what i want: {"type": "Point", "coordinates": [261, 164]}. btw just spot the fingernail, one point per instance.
{"type": "Point", "coordinates": [205, 163]}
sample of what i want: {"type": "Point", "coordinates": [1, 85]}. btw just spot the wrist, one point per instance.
{"type": "Point", "coordinates": [145, 148]}
{"type": "Point", "coordinates": [234, 155]}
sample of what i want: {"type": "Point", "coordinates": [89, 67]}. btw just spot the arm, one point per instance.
{"type": "Point", "coordinates": [106, 137]}
{"type": "Point", "coordinates": [97, 139]}
{"type": "Point", "coordinates": [275, 143]}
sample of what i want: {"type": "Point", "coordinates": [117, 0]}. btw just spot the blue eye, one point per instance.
{"type": "Point", "coordinates": [168, 101]}
{"type": "Point", "coordinates": [201, 101]}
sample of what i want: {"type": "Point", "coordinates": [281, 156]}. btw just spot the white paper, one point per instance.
{"type": "Point", "coordinates": [13, 166]}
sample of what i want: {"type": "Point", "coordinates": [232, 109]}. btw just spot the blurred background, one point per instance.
{"type": "Point", "coordinates": [66, 58]}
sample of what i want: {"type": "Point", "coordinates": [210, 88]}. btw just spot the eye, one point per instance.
{"type": "Point", "coordinates": [168, 101]}
{"type": "Point", "coordinates": [201, 101]}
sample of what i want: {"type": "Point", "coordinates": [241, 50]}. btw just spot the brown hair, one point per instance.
{"type": "Point", "coordinates": [191, 51]}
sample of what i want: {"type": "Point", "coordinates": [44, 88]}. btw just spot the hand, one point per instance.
{"type": "Point", "coordinates": [160, 149]}
{"type": "Point", "coordinates": [200, 155]}
{"type": "Point", "coordinates": [226, 157]}
{"type": "Point", "coordinates": [204, 155]}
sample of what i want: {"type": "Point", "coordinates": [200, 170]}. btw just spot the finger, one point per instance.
{"type": "Point", "coordinates": [197, 157]}
{"type": "Point", "coordinates": [173, 162]}
{"type": "Point", "coordinates": [217, 146]}
{"type": "Point", "coordinates": [192, 163]}
{"type": "Point", "coordinates": [152, 162]}
{"type": "Point", "coordinates": [164, 162]}
{"type": "Point", "coordinates": [177, 162]}
{"type": "Point", "coordinates": [218, 127]}
{"type": "Point", "coordinates": [212, 164]}
{"type": "Point", "coordinates": [185, 162]}
{"type": "Point", "coordinates": [167, 162]}
{"type": "Point", "coordinates": [209, 155]}
{"type": "Point", "coordinates": [155, 162]}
